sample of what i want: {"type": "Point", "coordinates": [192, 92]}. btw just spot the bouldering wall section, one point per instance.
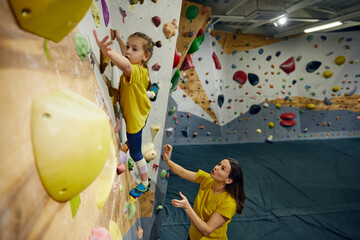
{"type": "Point", "coordinates": [303, 87]}
{"type": "Point", "coordinates": [31, 67]}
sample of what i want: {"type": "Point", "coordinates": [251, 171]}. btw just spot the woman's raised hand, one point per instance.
{"type": "Point", "coordinates": [167, 153]}
{"type": "Point", "coordinates": [104, 45]}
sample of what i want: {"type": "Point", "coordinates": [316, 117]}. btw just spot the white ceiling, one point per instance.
{"type": "Point", "coordinates": [258, 16]}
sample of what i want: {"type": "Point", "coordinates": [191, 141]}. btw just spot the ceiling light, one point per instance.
{"type": "Point", "coordinates": [321, 27]}
{"type": "Point", "coordinates": [282, 20]}
{"type": "Point", "coordinates": [276, 25]}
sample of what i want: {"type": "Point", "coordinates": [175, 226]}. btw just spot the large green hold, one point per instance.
{"type": "Point", "coordinates": [175, 81]}
{"type": "Point", "coordinates": [191, 12]}
{"type": "Point", "coordinates": [196, 44]}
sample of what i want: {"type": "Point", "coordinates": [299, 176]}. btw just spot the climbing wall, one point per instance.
{"type": "Point", "coordinates": [32, 67]}
{"type": "Point", "coordinates": [300, 87]}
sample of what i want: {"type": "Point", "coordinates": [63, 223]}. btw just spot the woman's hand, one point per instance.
{"type": "Point", "coordinates": [167, 153]}
{"type": "Point", "coordinates": [183, 203]}
{"type": "Point", "coordinates": [104, 45]}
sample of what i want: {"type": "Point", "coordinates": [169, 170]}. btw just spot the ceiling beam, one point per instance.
{"type": "Point", "coordinates": [346, 17]}
{"type": "Point", "coordinates": [289, 10]}
{"type": "Point", "coordinates": [234, 6]}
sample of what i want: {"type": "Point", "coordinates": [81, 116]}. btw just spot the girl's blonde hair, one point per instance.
{"type": "Point", "coordinates": [148, 44]}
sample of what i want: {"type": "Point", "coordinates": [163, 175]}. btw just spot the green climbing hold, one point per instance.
{"type": "Point", "coordinates": [81, 45]}
{"type": "Point", "coordinates": [130, 164]}
{"type": "Point", "coordinates": [163, 174]}
{"type": "Point", "coordinates": [175, 80]}
{"type": "Point", "coordinates": [191, 12]}
{"type": "Point", "coordinates": [172, 110]}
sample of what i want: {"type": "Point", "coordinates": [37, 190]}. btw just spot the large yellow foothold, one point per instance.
{"type": "Point", "coordinates": [154, 130]}
{"type": "Point", "coordinates": [51, 19]}
{"type": "Point", "coordinates": [71, 142]}
{"type": "Point", "coordinates": [106, 178]}
{"type": "Point", "coordinates": [114, 231]}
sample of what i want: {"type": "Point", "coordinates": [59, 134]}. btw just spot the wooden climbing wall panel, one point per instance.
{"type": "Point", "coordinates": [242, 42]}
{"type": "Point", "coordinates": [184, 41]}
{"type": "Point", "coordinates": [194, 89]}
{"type": "Point", "coordinates": [26, 210]}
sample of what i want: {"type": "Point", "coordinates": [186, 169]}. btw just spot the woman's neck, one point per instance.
{"type": "Point", "coordinates": [218, 187]}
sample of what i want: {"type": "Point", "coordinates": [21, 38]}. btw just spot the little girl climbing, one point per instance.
{"type": "Point", "coordinates": [133, 98]}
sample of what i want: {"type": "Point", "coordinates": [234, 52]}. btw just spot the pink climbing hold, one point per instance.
{"type": "Point", "coordinates": [287, 116]}
{"type": "Point", "coordinates": [177, 58]}
{"type": "Point", "coordinates": [240, 77]}
{"type": "Point", "coordinates": [100, 233]}
{"type": "Point", "coordinates": [287, 123]}
{"type": "Point", "coordinates": [187, 64]}
{"type": "Point", "coordinates": [288, 66]}
{"type": "Point", "coordinates": [216, 61]}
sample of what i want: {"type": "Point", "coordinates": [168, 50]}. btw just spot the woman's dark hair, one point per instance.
{"type": "Point", "coordinates": [236, 188]}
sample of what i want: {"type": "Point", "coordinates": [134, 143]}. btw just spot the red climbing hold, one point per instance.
{"type": "Point", "coordinates": [288, 66]}
{"type": "Point", "coordinates": [156, 20]}
{"type": "Point", "coordinates": [240, 77]}
{"type": "Point", "coordinates": [287, 116]}
{"type": "Point", "coordinates": [187, 64]}
{"type": "Point", "coordinates": [287, 123]}
{"type": "Point", "coordinates": [177, 58]}
{"type": "Point", "coordinates": [216, 61]}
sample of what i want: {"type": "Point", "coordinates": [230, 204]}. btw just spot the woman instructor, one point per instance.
{"type": "Point", "coordinates": [221, 195]}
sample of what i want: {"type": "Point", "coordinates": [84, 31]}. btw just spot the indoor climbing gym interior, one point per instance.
{"type": "Point", "coordinates": [274, 84]}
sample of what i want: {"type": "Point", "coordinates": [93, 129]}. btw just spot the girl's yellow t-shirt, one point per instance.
{"type": "Point", "coordinates": [134, 102]}
{"type": "Point", "coordinates": [207, 202]}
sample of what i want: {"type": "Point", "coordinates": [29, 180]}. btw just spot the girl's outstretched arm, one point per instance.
{"type": "Point", "coordinates": [121, 42]}
{"type": "Point", "coordinates": [175, 168]}
{"type": "Point", "coordinates": [120, 61]}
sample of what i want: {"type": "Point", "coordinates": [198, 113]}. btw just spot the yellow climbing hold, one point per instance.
{"type": "Point", "coordinates": [95, 14]}
{"type": "Point", "coordinates": [310, 106]}
{"type": "Point", "coordinates": [106, 178]}
{"type": "Point", "coordinates": [335, 88]}
{"type": "Point", "coordinates": [114, 231]}
{"type": "Point", "coordinates": [154, 130]}
{"type": "Point", "coordinates": [51, 19]}
{"type": "Point", "coordinates": [71, 142]}
{"type": "Point", "coordinates": [340, 60]}
{"type": "Point", "coordinates": [278, 105]}
{"type": "Point", "coordinates": [258, 130]}
{"type": "Point", "coordinates": [148, 152]}
{"type": "Point", "coordinates": [271, 125]}
{"type": "Point", "coordinates": [327, 73]}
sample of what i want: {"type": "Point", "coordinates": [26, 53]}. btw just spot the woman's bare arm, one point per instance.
{"type": "Point", "coordinates": [176, 168]}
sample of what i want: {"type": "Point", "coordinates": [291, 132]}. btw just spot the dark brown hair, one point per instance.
{"type": "Point", "coordinates": [148, 44]}
{"type": "Point", "coordinates": [236, 188]}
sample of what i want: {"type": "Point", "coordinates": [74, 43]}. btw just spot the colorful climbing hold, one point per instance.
{"type": "Point", "coordinates": [156, 20]}
{"type": "Point", "coordinates": [191, 12]}
{"type": "Point", "coordinates": [312, 66]}
{"type": "Point", "coordinates": [288, 66]}
{"type": "Point", "coordinates": [253, 79]}
{"type": "Point", "coordinates": [340, 60]}
{"type": "Point", "coordinates": [240, 77]}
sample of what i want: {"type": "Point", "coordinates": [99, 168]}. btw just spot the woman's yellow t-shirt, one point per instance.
{"type": "Point", "coordinates": [207, 202]}
{"type": "Point", "coordinates": [134, 102]}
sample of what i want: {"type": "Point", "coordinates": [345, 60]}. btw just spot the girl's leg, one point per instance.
{"type": "Point", "coordinates": [135, 142]}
